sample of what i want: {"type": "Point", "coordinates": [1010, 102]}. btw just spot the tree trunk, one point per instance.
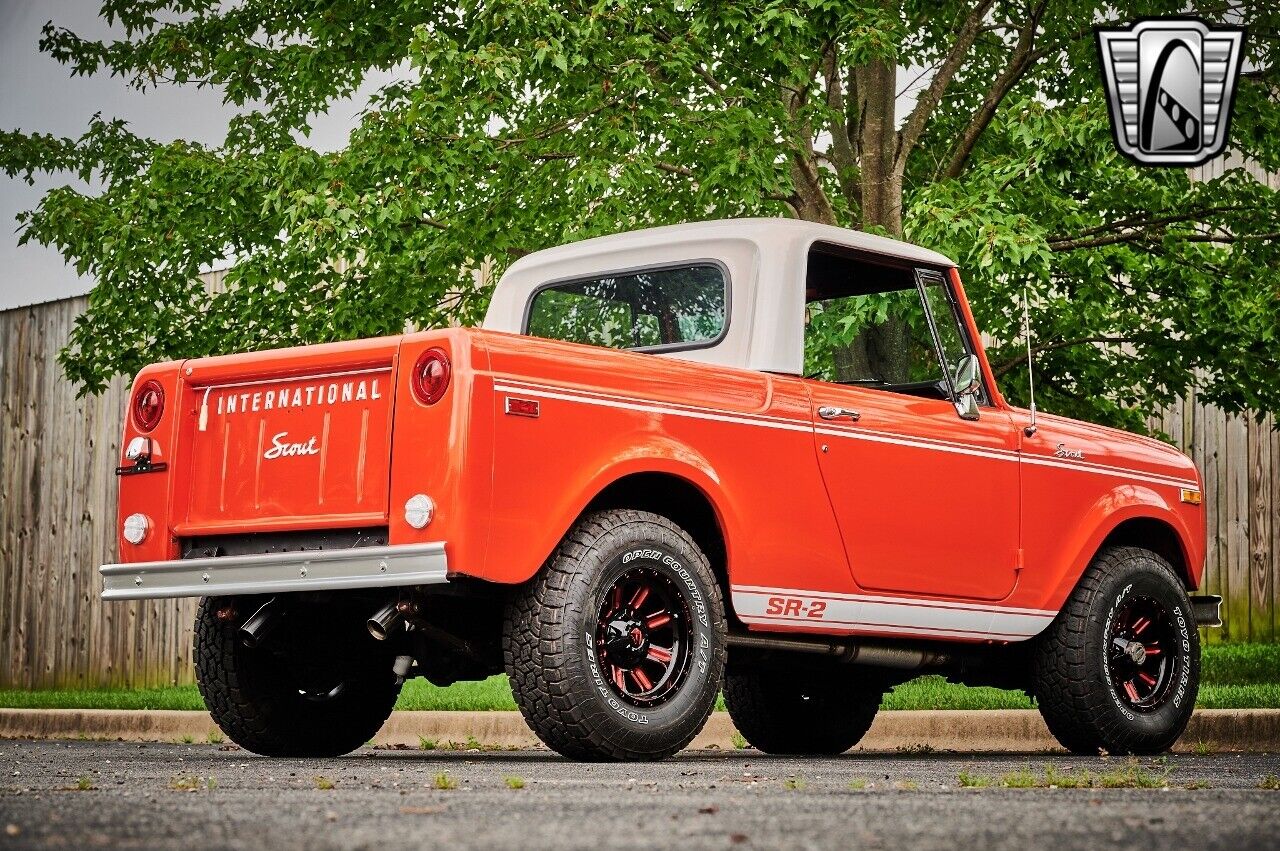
{"type": "Point", "coordinates": [880, 350]}
{"type": "Point", "coordinates": [878, 140]}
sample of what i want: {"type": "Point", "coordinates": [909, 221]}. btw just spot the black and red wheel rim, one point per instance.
{"type": "Point", "coordinates": [642, 637]}
{"type": "Point", "coordinates": [1142, 654]}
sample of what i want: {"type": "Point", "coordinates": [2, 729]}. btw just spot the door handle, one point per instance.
{"type": "Point", "coordinates": [830, 412]}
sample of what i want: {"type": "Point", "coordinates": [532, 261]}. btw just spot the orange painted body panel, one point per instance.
{"type": "Point", "coordinates": [829, 526]}
{"type": "Point", "coordinates": [1121, 477]}
{"type": "Point", "coordinates": [743, 438]}
{"type": "Point", "coordinates": [928, 502]}
{"type": "Point", "coordinates": [279, 449]}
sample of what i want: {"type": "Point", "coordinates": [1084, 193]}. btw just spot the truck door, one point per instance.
{"type": "Point", "coordinates": [927, 500]}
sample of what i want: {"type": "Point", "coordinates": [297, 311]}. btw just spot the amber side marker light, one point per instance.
{"type": "Point", "coordinates": [1191, 497]}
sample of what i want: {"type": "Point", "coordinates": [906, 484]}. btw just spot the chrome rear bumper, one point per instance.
{"type": "Point", "coordinates": [276, 573]}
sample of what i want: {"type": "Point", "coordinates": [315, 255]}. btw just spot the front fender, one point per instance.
{"type": "Point", "coordinates": [1113, 508]}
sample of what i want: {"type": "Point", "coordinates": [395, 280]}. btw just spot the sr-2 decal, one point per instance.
{"type": "Point", "coordinates": [852, 613]}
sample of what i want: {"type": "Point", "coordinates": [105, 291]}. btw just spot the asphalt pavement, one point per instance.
{"type": "Point", "coordinates": [115, 794]}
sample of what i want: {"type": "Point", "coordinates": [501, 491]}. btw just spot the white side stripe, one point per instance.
{"type": "Point", "coordinates": [586, 397]}
{"type": "Point", "coordinates": [1106, 470]}
{"type": "Point", "coordinates": [913, 601]}
{"type": "Point", "coordinates": [852, 614]}
{"type": "Point", "coordinates": [652, 408]}
{"type": "Point", "coordinates": [937, 446]}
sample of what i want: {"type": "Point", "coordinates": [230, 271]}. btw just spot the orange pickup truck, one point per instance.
{"type": "Point", "coordinates": [763, 456]}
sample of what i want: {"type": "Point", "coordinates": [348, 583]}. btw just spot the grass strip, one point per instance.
{"type": "Point", "coordinates": [1236, 676]}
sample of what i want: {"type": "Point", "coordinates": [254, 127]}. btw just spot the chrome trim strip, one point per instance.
{"type": "Point", "coordinates": [285, 379]}
{"type": "Point", "coordinates": [853, 614]}
{"type": "Point", "coordinates": [276, 573]}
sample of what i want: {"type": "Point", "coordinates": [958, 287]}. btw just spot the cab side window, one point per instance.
{"type": "Point", "coordinates": [874, 325]}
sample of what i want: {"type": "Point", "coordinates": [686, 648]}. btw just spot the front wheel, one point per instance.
{"type": "Point", "coordinates": [1119, 669]}
{"type": "Point", "coordinates": [616, 649]}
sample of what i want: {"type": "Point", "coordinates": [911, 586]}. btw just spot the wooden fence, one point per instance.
{"type": "Point", "coordinates": [58, 511]}
{"type": "Point", "coordinates": [57, 524]}
{"type": "Point", "coordinates": [1239, 458]}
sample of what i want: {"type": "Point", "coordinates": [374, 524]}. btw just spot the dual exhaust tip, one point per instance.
{"type": "Point", "coordinates": [259, 625]}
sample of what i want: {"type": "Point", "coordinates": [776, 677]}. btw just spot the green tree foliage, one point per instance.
{"type": "Point", "coordinates": [512, 125]}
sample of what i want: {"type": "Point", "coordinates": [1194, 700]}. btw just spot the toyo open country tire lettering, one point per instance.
{"type": "Point", "coordinates": [802, 710]}
{"type": "Point", "coordinates": [1119, 669]}
{"type": "Point", "coordinates": [317, 686]}
{"type": "Point", "coordinates": [615, 650]}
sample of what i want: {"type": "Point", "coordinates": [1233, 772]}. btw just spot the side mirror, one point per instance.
{"type": "Point", "coordinates": [968, 382]}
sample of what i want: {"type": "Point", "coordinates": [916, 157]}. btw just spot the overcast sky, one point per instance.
{"type": "Point", "coordinates": [38, 94]}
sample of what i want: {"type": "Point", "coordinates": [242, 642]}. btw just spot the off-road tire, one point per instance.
{"type": "Point", "coordinates": [253, 694]}
{"type": "Point", "coordinates": [1073, 682]}
{"type": "Point", "coordinates": [553, 659]}
{"type": "Point", "coordinates": [803, 710]}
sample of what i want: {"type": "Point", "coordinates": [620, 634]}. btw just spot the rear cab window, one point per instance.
{"type": "Point", "coordinates": [663, 309]}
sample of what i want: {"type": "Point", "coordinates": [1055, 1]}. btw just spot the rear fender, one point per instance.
{"type": "Point", "coordinates": [150, 494]}
{"type": "Point", "coordinates": [513, 559]}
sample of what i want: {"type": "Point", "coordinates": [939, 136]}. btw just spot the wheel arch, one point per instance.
{"type": "Point", "coordinates": [681, 501]}
{"type": "Point", "coordinates": [1125, 516]}
{"type": "Point", "coordinates": [1157, 535]}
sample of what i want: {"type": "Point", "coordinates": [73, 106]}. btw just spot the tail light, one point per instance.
{"type": "Point", "coordinates": [431, 375]}
{"type": "Point", "coordinates": [148, 405]}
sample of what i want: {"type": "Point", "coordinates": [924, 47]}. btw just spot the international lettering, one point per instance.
{"type": "Point", "coordinates": [299, 396]}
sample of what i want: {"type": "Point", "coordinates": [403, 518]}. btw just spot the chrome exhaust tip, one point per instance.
{"type": "Point", "coordinates": [385, 621]}
{"type": "Point", "coordinates": [260, 624]}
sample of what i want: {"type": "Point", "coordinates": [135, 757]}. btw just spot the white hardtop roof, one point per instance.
{"type": "Point", "coordinates": [768, 233]}
{"type": "Point", "coordinates": [766, 262]}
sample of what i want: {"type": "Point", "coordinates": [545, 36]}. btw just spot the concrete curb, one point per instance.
{"type": "Point", "coordinates": [1014, 730]}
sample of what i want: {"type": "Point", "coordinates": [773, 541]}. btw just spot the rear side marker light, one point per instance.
{"type": "Point", "coordinates": [136, 527]}
{"type": "Point", "coordinates": [419, 510]}
{"type": "Point", "coordinates": [431, 375]}
{"type": "Point", "coordinates": [148, 405]}
{"type": "Point", "coordinates": [522, 407]}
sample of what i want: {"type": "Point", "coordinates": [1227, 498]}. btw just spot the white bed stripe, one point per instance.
{"type": "Point", "coordinates": [586, 397]}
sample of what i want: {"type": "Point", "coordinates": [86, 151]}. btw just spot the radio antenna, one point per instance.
{"type": "Point", "coordinates": [1031, 373]}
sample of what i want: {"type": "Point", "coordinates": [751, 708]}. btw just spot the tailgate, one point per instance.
{"type": "Point", "coordinates": [296, 438]}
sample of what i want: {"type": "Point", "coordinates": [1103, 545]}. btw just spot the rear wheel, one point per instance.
{"type": "Point", "coordinates": [801, 710]}
{"type": "Point", "coordinates": [616, 649]}
{"type": "Point", "coordinates": [317, 685]}
{"type": "Point", "coordinates": [1119, 669]}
